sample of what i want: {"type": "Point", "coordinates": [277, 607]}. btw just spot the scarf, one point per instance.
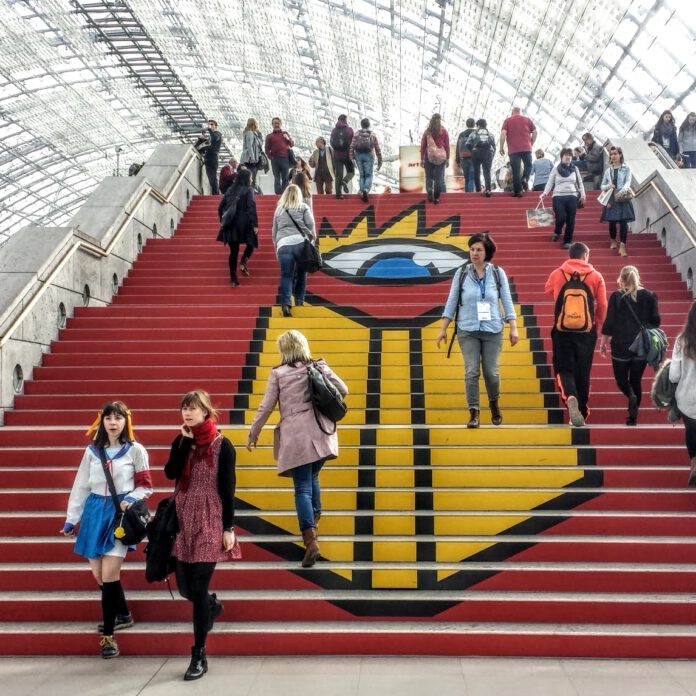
{"type": "Point", "coordinates": [665, 129]}
{"type": "Point", "coordinates": [203, 435]}
{"type": "Point", "coordinates": [566, 169]}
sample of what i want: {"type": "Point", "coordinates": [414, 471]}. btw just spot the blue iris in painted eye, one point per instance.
{"type": "Point", "coordinates": [396, 267]}
{"type": "Point", "coordinates": [384, 261]}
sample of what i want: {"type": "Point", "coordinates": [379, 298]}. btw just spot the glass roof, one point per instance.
{"type": "Point", "coordinates": [83, 79]}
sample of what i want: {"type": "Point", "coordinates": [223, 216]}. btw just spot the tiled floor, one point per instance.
{"type": "Point", "coordinates": [347, 676]}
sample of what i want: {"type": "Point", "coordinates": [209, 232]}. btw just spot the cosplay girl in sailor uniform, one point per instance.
{"type": "Point", "coordinates": [91, 505]}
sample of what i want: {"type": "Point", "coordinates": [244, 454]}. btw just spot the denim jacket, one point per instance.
{"type": "Point", "coordinates": [467, 319]}
{"type": "Point", "coordinates": [624, 177]}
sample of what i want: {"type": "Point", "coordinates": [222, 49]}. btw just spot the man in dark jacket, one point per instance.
{"type": "Point", "coordinates": [464, 159]}
{"type": "Point", "coordinates": [595, 159]}
{"type": "Point", "coordinates": [341, 138]}
{"type": "Point", "coordinates": [209, 146]}
{"type": "Point", "coordinates": [277, 148]}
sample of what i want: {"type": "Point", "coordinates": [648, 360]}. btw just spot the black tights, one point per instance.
{"type": "Point", "coordinates": [690, 435]}
{"type": "Point", "coordinates": [234, 253]}
{"type": "Point", "coordinates": [623, 230]}
{"type": "Point", "coordinates": [193, 580]}
{"type": "Point", "coordinates": [628, 375]}
{"type": "Point", "coordinates": [113, 602]}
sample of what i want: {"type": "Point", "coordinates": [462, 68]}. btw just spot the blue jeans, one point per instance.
{"type": "Point", "coordinates": [281, 172]}
{"type": "Point", "coordinates": [481, 349]}
{"type": "Point", "coordinates": [467, 165]}
{"type": "Point", "coordinates": [366, 165]}
{"type": "Point", "coordinates": [307, 492]}
{"type": "Point", "coordinates": [434, 179]}
{"type": "Point", "coordinates": [689, 159]}
{"type": "Point", "coordinates": [521, 165]}
{"type": "Point", "coordinates": [292, 279]}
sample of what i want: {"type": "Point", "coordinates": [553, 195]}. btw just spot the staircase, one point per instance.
{"type": "Point", "coordinates": [527, 539]}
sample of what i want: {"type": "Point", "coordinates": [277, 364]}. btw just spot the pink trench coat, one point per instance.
{"type": "Point", "coordinates": [297, 439]}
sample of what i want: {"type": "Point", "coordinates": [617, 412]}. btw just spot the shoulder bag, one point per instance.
{"type": "Point", "coordinates": [326, 399]}
{"type": "Point", "coordinates": [649, 343]}
{"type": "Point", "coordinates": [130, 524]}
{"type": "Point", "coordinates": [310, 260]}
{"type": "Point", "coordinates": [161, 532]}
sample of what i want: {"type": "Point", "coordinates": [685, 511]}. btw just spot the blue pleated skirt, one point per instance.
{"type": "Point", "coordinates": [95, 537]}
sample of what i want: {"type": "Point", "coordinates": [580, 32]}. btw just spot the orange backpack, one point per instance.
{"type": "Point", "coordinates": [574, 305]}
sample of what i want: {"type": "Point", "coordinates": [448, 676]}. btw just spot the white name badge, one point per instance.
{"type": "Point", "coordinates": [484, 311]}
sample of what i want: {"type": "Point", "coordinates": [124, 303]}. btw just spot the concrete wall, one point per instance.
{"type": "Point", "coordinates": [44, 267]}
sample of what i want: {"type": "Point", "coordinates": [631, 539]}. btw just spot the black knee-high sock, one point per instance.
{"type": "Point", "coordinates": [122, 607]}
{"type": "Point", "coordinates": [110, 599]}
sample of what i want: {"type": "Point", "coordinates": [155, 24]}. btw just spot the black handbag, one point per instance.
{"type": "Point", "coordinates": [326, 399]}
{"type": "Point", "coordinates": [292, 160]}
{"type": "Point", "coordinates": [161, 532]}
{"type": "Point", "coordinates": [310, 259]}
{"type": "Point", "coordinates": [130, 524]}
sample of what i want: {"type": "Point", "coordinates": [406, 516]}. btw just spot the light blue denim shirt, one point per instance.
{"type": "Point", "coordinates": [467, 319]}
{"type": "Point", "coordinates": [623, 178]}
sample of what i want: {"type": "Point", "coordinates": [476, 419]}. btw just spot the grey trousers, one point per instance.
{"type": "Point", "coordinates": [481, 349]}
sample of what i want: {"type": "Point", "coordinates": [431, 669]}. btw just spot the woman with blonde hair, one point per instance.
{"type": "Point", "coordinates": [630, 308]}
{"type": "Point", "coordinates": [293, 222]}
{"type": "Point", "coordinates": [202, 461]}
{"type": "Point", "coordinates": [301, 442]}
{"type": "Point", "coordinates": [252, 149]}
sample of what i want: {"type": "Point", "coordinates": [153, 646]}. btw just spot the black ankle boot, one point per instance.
{"type": "Point", "coordinates": [286, 311]}
{"type": "Point", "coordinates": [216, 608]}
{"type": "Point", "coordinates": [474, 419]}
{"type": "Point", "coordinates": [496, 415]}
{"type": "Point", "coordinates": [198, 666]}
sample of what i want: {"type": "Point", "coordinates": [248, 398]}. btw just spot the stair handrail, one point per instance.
{"type": "Point", "coordinates": [146, 190]}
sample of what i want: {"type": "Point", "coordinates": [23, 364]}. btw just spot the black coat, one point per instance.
{"type": "Point", "coordinates": [620, 323]}
{"type": "Point", "coordinates": [245, 221]}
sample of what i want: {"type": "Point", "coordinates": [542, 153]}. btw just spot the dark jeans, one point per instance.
{"type": "Point", "coordinates": [293, 281]}
{"type": "Point", "coordinates": [467, 165]}
{"type": "Point", "coordinates": [193, 580]}
{"type": "Point", "coordinates": [520, 176]}
{"type": "Point", "coordinates": [628, 375]}
{"type": "Point", "coordinates": [307, 492]}
{"type": "Point", "coordinates": [690, 435]}
{"type": "Point", "coordinates": [281, 172]}
{"type": "Point", "coordinates": [342, 179]}
{"type": "Point", "coordinates": [234, 253]}
{"type": "Point", "coordinates": [482, 160]}
{"type": "Point", "coordinates": [572, 362]}
{"type": "Point", "coordinates": [623, 230]}
{"type": "Point", "coordinates": [689, 159]}
{"type": "Point", "coordinates": [565, 208]}
{"type": "Point", "coordinates": [434, 180]}
{"type": "Point", "coordinates": [211, 167]}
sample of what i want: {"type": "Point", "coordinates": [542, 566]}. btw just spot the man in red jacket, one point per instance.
{"type": "Point", "coordinates": [278, 144]}
{"type": "Point", "coordinates": [573, 348]}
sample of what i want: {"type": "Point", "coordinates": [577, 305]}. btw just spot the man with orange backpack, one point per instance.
{"type": "Point", "coordinates": [581, 306]}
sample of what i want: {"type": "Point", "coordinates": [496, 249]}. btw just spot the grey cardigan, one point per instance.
{"type": "Point", "coordinates": [284, 227]}
{"type": "Point", "coordinates": [682, 370]}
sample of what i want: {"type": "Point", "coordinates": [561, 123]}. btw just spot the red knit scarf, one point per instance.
{"type": "Point", "coordinates": [203, 435]}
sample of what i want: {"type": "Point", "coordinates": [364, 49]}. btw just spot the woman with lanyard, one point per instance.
{"type": "Point", "coordinates": [474, 299]}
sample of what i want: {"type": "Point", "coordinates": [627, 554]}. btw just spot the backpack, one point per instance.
{"type": "Point", "coordinates": [436, 154]}
{"type": "Point", "coordinates": [462, 149]}
{"type": "Point", "coordinates": [663, 393]}
{"type": "Point", "coordinates": [339, 139]}
{"type": "Point", "coordinates": [462, 278]}
{"type": "Point", "coordinates": [363, 141]}
{"type": "Point", "coordinates": [326, 399]}
{"type": "Point", "coordinates": [481, 140]}
{"type": "Point", "coordinates": [574, 309]}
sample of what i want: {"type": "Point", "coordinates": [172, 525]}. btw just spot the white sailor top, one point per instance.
{"type": "Point", "coordinates": [130, 471]}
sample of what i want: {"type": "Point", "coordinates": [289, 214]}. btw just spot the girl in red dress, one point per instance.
{"type": "Point", "coordinates": [203, 463]}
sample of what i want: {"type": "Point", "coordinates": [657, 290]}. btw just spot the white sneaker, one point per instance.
{"type": "Point", "coordinates": [576, 418]}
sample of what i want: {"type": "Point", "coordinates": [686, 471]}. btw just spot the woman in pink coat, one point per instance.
{"type": "Point", "coordinates": [301, 444]}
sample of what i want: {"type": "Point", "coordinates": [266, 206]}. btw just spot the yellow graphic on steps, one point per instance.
{"type": "Point", "coordinates": [410, 478]}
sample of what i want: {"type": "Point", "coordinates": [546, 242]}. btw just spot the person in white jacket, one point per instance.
{"type": "Point", "coordinates": [682, 371]}
{"type": "Point", "coordinates": [91, 507]}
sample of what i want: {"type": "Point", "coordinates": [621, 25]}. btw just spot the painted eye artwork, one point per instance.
{"type": "Point", "coordinates": [394, 261]}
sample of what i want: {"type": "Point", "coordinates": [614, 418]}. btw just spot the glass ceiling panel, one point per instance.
{"type": "Point", "coordinates": [80, 79]}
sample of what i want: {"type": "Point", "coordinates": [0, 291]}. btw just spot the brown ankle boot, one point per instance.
{"type": "Point", "coordinates": [496, 415]}
{"type": "Point", "coordinates": [309, 536]}
{"type": "Point", "coordinates": [474, 418]}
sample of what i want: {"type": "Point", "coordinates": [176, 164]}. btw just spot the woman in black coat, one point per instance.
{"type": "Point", "coordinates": [630, 307]}
{"type": "Point", "coordinates": [239, 222]}
{"type": "Point", "coordinates": [666, 134]}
